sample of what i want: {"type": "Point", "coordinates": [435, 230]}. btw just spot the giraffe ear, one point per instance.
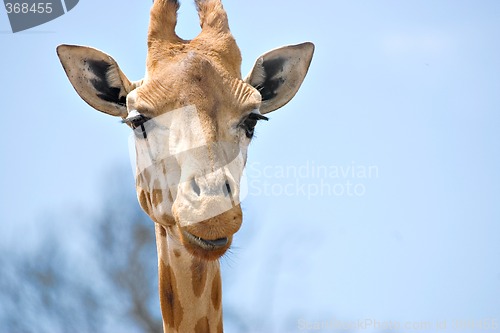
{"type": "Point", "coordinates": [279, 74]}
{"type": "Point", "coordinates": [97, 78]}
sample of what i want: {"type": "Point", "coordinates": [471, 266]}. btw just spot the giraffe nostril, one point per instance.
{"type": "Point", "coordinates": [195, 187]}
{"type": "Point", "coordinates": [227, 189]}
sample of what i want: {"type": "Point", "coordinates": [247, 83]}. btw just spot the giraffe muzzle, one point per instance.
{"type": "Point", "coordinates": [210, 239]}
{"type": "Point", "coordinates": [205, 249]}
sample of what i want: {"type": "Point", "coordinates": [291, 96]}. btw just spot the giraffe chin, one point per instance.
{"type": "Point", "coordinates": [211, 238]}
{"type": "Point", "coordinates": [204, 249]}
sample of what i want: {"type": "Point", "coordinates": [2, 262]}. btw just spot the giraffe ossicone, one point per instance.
{"type": "Point", "coordinates": [193, 117]}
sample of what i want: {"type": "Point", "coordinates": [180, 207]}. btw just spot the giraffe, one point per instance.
{"type": "Point", "coordinates": [193, 117]}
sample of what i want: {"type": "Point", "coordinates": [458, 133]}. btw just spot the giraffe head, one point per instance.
{"type": "Point", "coordinates": [193, 117]}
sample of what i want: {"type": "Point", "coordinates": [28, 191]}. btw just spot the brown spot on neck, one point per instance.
{"type": "Point", "coordinates": [216, 292]}
{"type": "Point", "coordinates": [144, 200]}
{"type": "Point", "coordinates": [163, 231]}
{"type": "Point", "coordinates": [198, 276]}
{"type": "Point", "coordinates": [202, 326]}
{"type": "Point", "coordinates": [157, 197]}
{"type": "Point", "coordinates": [177, 253]}
{"type": "Point", "coordinates": [219, 327]}
{"type": "Point", "coordinates": [171, 307]}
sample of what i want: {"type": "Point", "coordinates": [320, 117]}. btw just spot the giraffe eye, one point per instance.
{"type": "Point", "coordinates": [249, 127]}
{"type": "Point", "coordinates": [137, 120]}
{"type": "Point", "coordinates": [249, 123]}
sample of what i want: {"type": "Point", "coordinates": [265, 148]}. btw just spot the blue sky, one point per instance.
{"type": "Point", "coordinates": [411, 88]}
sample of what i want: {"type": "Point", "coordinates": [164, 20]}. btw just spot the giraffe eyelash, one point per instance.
{"type": "Point", "coordinates": [248, 124]}
{"type": "Point", "coordinates": [257, 116]}
{"type": "Point", "coordinates": [136, 120]}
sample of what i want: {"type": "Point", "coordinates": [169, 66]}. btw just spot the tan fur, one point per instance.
{"type": "Point", "coordinates": [187, 284]}
{"type": "Point", "coordinates": [217, 292]}
{"type": "Point", "coordinates": [171, 306]}
{"type": "Point", "coordinates": [198, 278]}
{"type": "Point", "coordinates": [181, 73]}
{"type": "Point", "coordinates": [202, 326]}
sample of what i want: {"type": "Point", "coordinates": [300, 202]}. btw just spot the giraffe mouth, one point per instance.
{"type": "Point", "coordinates": [206, 244]}
{"type": "Point", "coordinates": [205, 248]}
{"type": "Point", "coordinates": [210, 239]}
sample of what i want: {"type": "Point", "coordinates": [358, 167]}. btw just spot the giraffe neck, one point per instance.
{"type": "Point", "coordinates": [190, 289]}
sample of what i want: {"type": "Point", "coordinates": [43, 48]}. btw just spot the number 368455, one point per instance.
{"type": "Point", "coordinates": [26, 8]}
